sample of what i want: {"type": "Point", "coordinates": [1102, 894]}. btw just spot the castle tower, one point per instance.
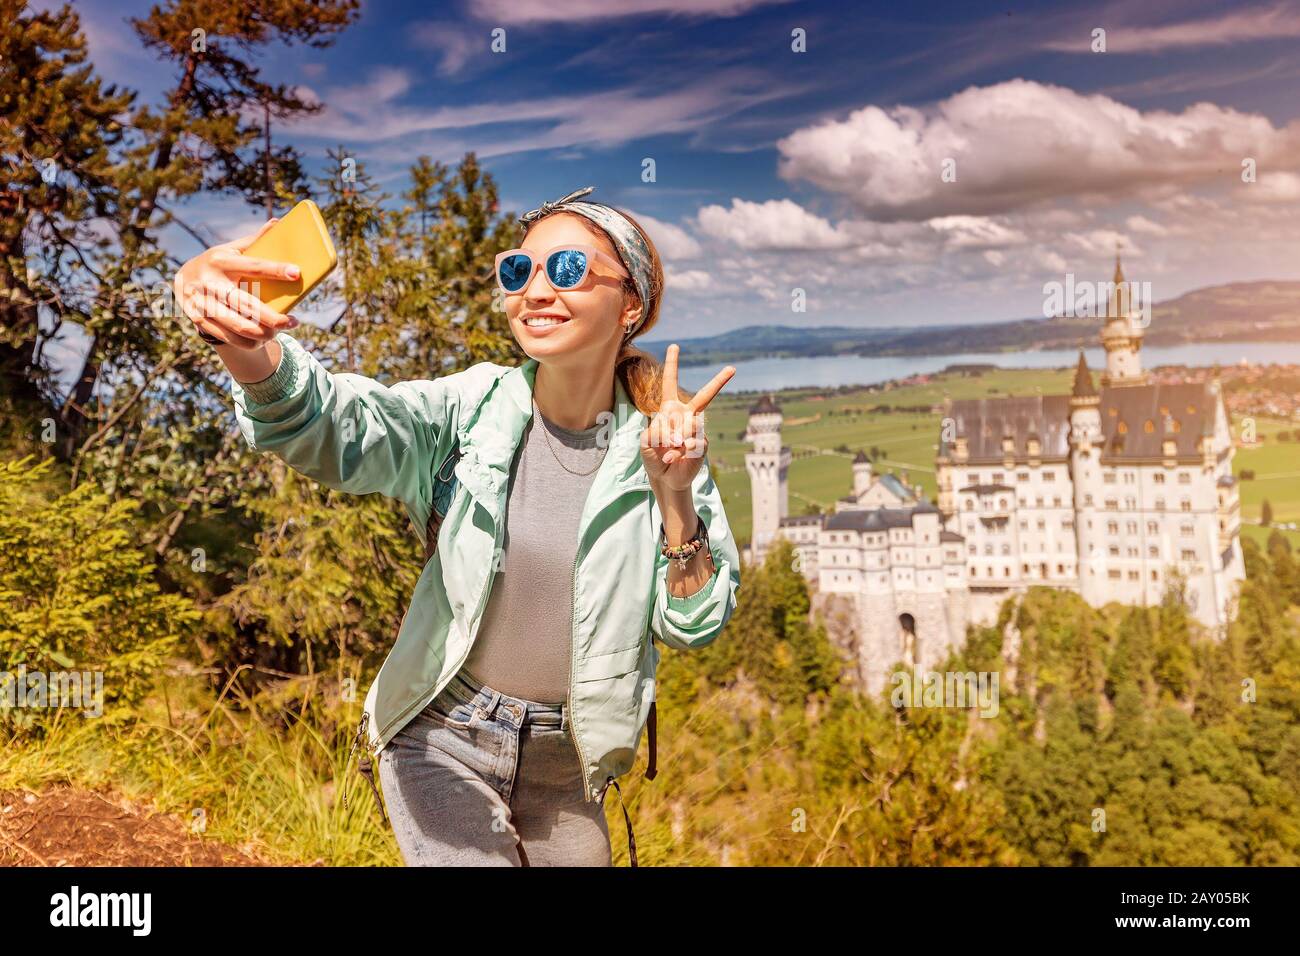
{"type": "Point", "coordinates": [1121, 334]}
{"type": "Point", "coordinates": [767, 465]}
{"type": "Point", "coordinates": [1086, 443]}
{"type": "Point", "coordinates": [861, 473]}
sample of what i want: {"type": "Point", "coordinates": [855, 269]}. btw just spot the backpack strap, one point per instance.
{"type": "Point", "coordinates": [650, 770]}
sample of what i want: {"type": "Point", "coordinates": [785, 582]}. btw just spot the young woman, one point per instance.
{"type": "Point", "coordinates": [584, 522]}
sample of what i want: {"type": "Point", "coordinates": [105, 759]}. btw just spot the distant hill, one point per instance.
{"type": "Point", "coordinates": [1237, 312]}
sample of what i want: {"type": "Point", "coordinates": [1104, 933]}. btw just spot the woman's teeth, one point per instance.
{"type": "Point", "coordinates": [543, 322]}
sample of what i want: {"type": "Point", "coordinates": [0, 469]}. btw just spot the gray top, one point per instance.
{"type": "Point", "coordinates": [524, 642]}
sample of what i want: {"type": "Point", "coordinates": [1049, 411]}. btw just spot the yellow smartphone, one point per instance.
{"type": "Point", "coordinates": [301, 238]}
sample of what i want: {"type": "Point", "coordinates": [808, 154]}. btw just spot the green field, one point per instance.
{"type": "Point", "coordinates": [822, 421]}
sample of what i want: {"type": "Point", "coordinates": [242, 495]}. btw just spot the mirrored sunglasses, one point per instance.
{"type": "Point", "coordinates": [566, 267]}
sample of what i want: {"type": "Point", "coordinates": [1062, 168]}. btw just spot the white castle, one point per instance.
{"type": "Point", "coordinates": [1104, 492]}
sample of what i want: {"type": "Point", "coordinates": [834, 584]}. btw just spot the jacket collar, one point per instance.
{"type": "Point", "coordinates": [506, 409]}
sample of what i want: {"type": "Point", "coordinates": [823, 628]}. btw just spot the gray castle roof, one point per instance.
{"type": "Point", "coordinates": [1183, 412]}
{"type": "Point", "coordinates": [984, 421]}
{"type": "Point", "coordinates": [875, 519]}
{"type": "Point", "coordinates": [764, 404]}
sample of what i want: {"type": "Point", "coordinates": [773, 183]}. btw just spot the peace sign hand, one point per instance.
{"type": "Point", "coordinates": [674, 444]}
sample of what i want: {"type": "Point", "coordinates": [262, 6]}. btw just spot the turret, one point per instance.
{"type": "Point", "coordinates": [1121, 334]}
{"type": "Point", "coordinates": [1085, 459]}
{"type": "Point", "coordinates": [861, 473]}
{"type": "Point", "coordinates": [767, 465]}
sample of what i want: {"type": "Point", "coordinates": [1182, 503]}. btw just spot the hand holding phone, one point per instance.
{"type": "Point", "coordinates": [238, 292]}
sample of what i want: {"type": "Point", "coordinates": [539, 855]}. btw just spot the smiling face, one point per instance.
{"type": "Point", "coordinates": [592, 315]}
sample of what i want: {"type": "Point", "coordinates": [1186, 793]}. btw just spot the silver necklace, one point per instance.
{"type": "Point", "coordinates": [537, 413]}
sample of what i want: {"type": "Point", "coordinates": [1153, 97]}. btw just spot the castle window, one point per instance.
{"type": "Point", "coordinates": [997, 478]}
{"type": "Point", "coordinates": [1131, 527]}
{"type": "Point", "coordinates": [1133, 576]}
{"type": "Point", "coordinates": [1155, 575]}
{"type": "Point", "coordinates": [1149, 426]}
{"type": "Point", "coordinates": [1159, 477]}
{"type": "Point", "coordinates": [1042, 525]}
{"type": "Point", "coordinates": [1184, 478]}
{"type": "Point", "coordinates": [1006, 572]}
{"type": "Point", "coordinates": [1006, 549]}
{"type": "Point", "coordinates": [1186, 530]}
{"type": "Point", "coordinates": [1113, 574]}
{"type": "Point", "coordinates": [1185, 504]}
{"type": "Point", "coordinates": [1108, 478]}
{"type": "Point", "coordinates": [1049, 476]}
{"type": "Point", "coordinates": [1114, 551]}
{"type": "Point", "coordinates": [1152, 527]}
{"type": "Point", "coordinates": [1022, 476]}
{"type": "Point", "coordinates": [971, 548]}
{"type": "Point", "coordinates": [1056, 502]}
{"type": "Point", "coordinates": [1188, 554]}
{"type": "Point", "coordinates": [1122, 428]}
{"type": "Point", "coordinates": [1060, 569]}
{"type": "Point", "coordinates": [1153, 551]}
{"type": "Point", "coordinates": [1112, 527]}
{"type": "Point", "coordinates": [1112, 504]}
{"type": "Point", "coordinates": [1160, 504]}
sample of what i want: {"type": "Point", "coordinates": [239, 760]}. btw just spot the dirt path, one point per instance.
{"type": "Point", "coordinates": [71, 826]}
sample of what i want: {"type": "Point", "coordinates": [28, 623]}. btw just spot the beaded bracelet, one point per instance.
{"type": "Point", "coordinates": [687, 549]}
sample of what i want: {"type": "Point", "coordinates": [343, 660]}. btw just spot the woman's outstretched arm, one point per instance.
{"type": "Point", "coordinates": [346, 431]}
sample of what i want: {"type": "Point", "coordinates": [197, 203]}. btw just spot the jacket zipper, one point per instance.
{"type": "Point", "coordinates": [573, 630]}
{"type": "Point", "coordinates": [573, 606]}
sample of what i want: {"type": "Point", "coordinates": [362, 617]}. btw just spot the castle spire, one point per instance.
{"type": "Point", "coordinates": [1083, 387]}
{"type": "Point", "coordinates": [1119, 271]}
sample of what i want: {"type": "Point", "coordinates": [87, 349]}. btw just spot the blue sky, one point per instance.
{"type": "Point", "coordinates": [821, 170]}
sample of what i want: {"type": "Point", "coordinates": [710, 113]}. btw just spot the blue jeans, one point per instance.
{"type": "Point", "coordinates": [479, 778]}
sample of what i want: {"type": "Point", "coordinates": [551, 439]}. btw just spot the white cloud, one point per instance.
{"type": "Point", "coordinates": [673, 242]}
{"type": "Point", "coordinates": [688, 280]}
{"type": "Point", "coordinates": [456, 45]}
{"type": "Point", "coordinates": [1020, 142]}
{"type": "Point", "coordinates": [507, 12]}
{"type": "Point", "coordinates": [1239, 26]}
{"type": "Point", "coordinates": [1272, 187]}
{"type": "Point", "coordinates": [1144, 225]}
{"type": "Point", "coordinates": [774, 224]}
{"type": "Point", "coordinates": [975, 232]}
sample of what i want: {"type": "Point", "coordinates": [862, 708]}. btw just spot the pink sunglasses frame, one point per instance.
{"type": "Point", "coordinates": [539, 260]}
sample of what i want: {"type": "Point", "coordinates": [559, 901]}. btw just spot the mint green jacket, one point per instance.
{"type": "Point", "coordinates": [354, 434]}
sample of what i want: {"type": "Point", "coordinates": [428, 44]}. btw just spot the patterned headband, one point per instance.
{"type": "Point", "coordinates": [626, 237]}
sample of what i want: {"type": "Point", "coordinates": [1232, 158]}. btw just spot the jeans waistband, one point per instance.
{"type": "Point", "coordinates": [489, 700]}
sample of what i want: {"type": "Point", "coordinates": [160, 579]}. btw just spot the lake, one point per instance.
{"type": "Point", "coordinates": [771, 374]}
